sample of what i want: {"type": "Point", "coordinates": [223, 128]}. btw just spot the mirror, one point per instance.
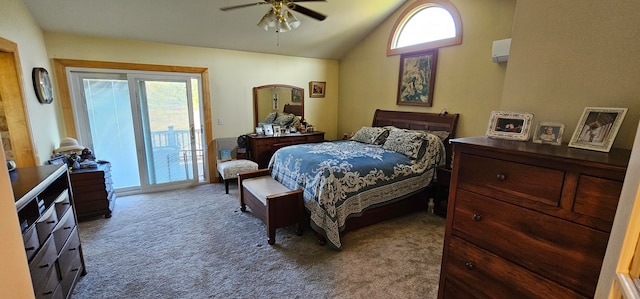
{"type": "Point", "coordinates": [277, 97]}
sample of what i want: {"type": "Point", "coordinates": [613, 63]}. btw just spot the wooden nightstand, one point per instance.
{"type": "Point", "coordinates": [443, 179]}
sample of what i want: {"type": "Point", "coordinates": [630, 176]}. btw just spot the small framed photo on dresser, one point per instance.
{"type": "Point", "coordinates": [509, 125]}
{"type": "Point", "coordinates": [268, 129]}
{"type": "Point", "coordinates": [549, 133]}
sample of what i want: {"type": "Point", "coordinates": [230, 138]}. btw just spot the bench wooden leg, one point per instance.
{"type": "Point", "coordinates": [271, 234]}
{"type": "Point", "coordinates": [226, 186]}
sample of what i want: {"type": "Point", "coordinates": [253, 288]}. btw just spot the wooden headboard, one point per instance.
{"type": "Point", "coordinates": [293, 109]}
{"type": "Point", "coordinates": [419, 121]}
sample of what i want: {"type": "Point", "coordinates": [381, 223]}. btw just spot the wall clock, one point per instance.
{"type": "Point", "coordinates": [42, 85]}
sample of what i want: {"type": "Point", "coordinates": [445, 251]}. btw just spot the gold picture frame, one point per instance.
{"type": "Point", "coordinates": [317, 89]}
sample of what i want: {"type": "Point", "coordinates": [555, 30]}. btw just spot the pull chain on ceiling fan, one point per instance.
{"type": "Point", "coordinates": [280, 16]}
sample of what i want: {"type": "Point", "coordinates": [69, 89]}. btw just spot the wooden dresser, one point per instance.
{"type": "Point", "coordinates": [261, 146]}
{"type": "Point", "coordinates": [45, 206]}
{"type": "Point", "coordinates": [528, 220]}
{"type": "Point", "coordinates": [93, 191]}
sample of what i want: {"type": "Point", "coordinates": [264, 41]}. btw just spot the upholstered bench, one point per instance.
{"type": "Point", "coordinates": [274, 204]}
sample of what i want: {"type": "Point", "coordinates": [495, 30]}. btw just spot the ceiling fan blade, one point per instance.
{"type": "Point", "coordinates": [305, 11]}
{"type": "Point", "coordinates": [242, 6]}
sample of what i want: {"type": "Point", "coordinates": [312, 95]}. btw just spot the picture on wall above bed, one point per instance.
{"type": "Point", "coordinates": [417, 78]}
{"type": "Point", "coordinates": [597, 128]}
{"type": "Point", "coordinates": [509, 125]}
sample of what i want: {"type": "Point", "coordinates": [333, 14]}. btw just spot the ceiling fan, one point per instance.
{"type": "Point", "coordinates": [280, 16]}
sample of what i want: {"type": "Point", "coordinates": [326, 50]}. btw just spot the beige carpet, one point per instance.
{"type": "Point", "coordinates": [196, 243]}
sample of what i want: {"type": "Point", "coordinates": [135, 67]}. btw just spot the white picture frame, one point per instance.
{"type": "Point", "coordinates": [277, 130]}
{"type": "Point", "coordinates": [509, 125]}
{"type": "Point", "coordinates": [268, 129]}
{"type": "Point", "coordinates": [597, 128]}
{"type": "Point", "coordinates": [548, 133]}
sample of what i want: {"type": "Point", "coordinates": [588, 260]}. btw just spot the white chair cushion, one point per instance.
{"type": "Point", "coordinates": [230, 169]}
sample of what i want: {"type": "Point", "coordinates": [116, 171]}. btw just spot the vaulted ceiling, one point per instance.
{"type": "Point", "coordinates": [201, 23]}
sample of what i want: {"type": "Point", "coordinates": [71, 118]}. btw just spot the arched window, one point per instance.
{"type": "Point", "coordinates": [424, 25]}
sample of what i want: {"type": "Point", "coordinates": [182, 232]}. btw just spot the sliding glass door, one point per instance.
{"type": "Point", "coordinates": [148, 125]}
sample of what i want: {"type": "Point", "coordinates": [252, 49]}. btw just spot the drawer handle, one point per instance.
{"type": "Point", "coordinates": [72, 249]}
{"type": "Point", "coordinates": [501, 177]}
{"type": "Point", "coordinates": [44, 266]}
{"type": "Point", "coordinates": [47, 293]}
{"type": "Point", "coordinates": [65, 203]}
{"type": "Point", "coordinates": [477, 217]}
{"type": "Point", "coordinates": [51, 221]}
{"type": "Point", "coordinates": [469, 265]}
{"type": "Point", "coordinates": [75, 269]}
{"type": "Point", "coordinates": [30, 248]}
{"type": "Point", "coordinates": [67, 227]}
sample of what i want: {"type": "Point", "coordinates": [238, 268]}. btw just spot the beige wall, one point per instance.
{"type": "Point", "coordinates": [232, 74]}
{"type": "Point", "coordinates": [467, 81]}
{"type": "Point", "coordinates": [18, 26]}
{"type": "Point", "coordinates": [567, 55]}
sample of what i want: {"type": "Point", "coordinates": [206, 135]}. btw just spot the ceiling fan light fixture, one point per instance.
{"type": "Point", "coordinates": [268, 20]}
{"type": "Point", "coordinates": [283, 26]}
{"type": "Point", "coordinates": [292, 20]}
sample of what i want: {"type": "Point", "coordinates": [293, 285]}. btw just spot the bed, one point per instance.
{"type": "Point", "coordinates": [382, 172]}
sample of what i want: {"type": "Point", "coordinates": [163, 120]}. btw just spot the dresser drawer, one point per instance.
{"type": "Point", "coordinates": [46, 223]}
{"type": "Point", "coordinates": [64, 228]}
{"type": "Point", "coordinates": [486, 275]}
{"type": "Point", "coordinates": [50, 289]}
{"type": "Point", "coordinates": [70, 254]}
{"type": "Point", "coordinates": [43, 263]}
{"type": "Point", "coordinates": [567, 253]}
{"type": "Point", "coordinates": [62, 203]}
{"type": "Point", "coordinates": [487, 175]}
{"type": "Point", "coordinates": [31, 243]}
{"type": "Point", "coordinates": [597, 198]}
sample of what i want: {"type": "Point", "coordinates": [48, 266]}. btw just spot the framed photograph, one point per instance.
{"type": "Point", "coordinates": [417, 78]}
{"type": "Point", "coordinates": [509, 125]}
{"type": "Point", "coordinates": [268, 129]}
{"type": "Point", "coordinates": [296, 95]}
{"type": "Point", "coordinates": [277, 130]}
{"type": "Point", "coordinates": [597, 128]}
{"type": "Point", "coordinates": [549, 133]}
{"type": "Point", "coordinates": [317, 89]}
{"type": "Point", "coordinates": [259, 130]}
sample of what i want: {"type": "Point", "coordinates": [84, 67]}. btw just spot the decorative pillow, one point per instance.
{"type": "Point", "coordinates": [271, 117]}
{"type": "Point", "coordinates": [371, 135]}
{"type": "Point", "coordinates": [407, 142]}
{"type": "Point", "coordinates": [284, 119]}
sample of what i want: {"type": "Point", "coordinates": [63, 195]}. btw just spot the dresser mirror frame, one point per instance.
{"type": "Point", "coordinates": [263, 100]}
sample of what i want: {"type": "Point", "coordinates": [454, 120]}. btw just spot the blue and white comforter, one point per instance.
{"type": "Point", "coordinates": [343, 178]}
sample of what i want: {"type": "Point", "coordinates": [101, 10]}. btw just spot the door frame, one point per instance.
{"type": "Point", "coordinates": [60, 66]}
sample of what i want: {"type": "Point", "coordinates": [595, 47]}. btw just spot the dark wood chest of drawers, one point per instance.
{"type": "Point", "coordinates": [261, 146]}
{"type": "Point", "coordinates": [528, 220]}
{"type": "Point", "coordinates": [93, 191]}
{"type": "Point", "coordinates": [44, 203]}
